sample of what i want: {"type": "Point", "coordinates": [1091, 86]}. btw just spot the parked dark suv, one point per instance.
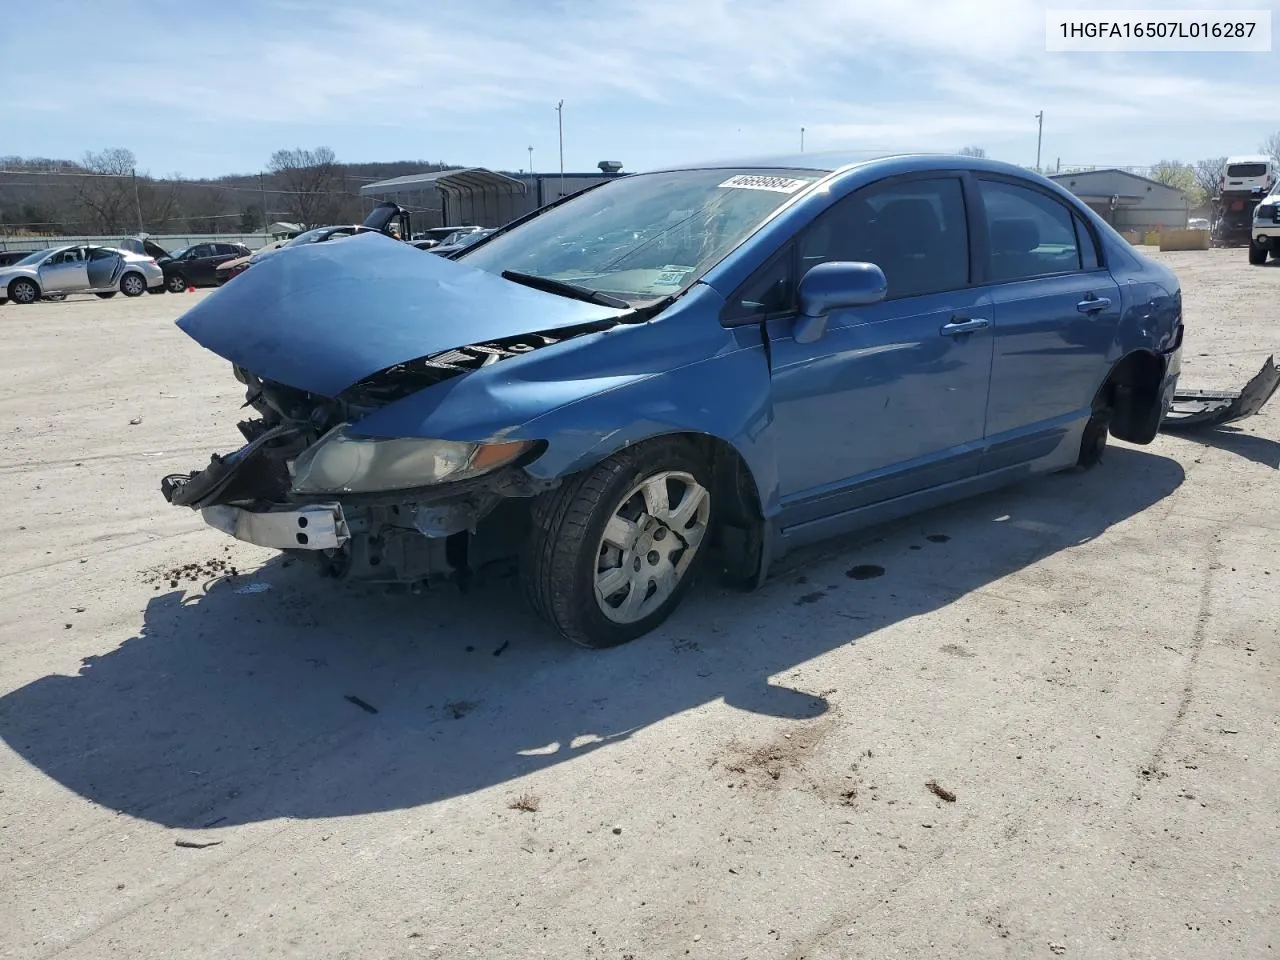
{"type": "Point", "coordinates": [195, 266]}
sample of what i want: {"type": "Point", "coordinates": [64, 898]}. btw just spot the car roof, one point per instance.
{"type": "Point", "coordinates": [842, 160]}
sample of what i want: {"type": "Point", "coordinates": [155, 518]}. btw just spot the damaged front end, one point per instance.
{"type": "Point", "coordinates": [328, 339]}
{"type": "Point", "coordinates": [381, 510]}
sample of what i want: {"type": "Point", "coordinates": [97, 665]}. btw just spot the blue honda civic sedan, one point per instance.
{"type": "Point", "coordinates": [703, 365]}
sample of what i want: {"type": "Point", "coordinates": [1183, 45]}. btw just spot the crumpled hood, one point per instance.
{"type": "Point", "coordinates": [323, 316]}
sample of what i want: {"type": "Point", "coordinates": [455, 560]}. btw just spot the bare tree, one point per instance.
{"type": "Point", "coordinates": [313, 183]}
{"type": "Point", "coordinates": [1208, 175]}
{"type": "Point", "coordinates": [1271, 146]}
{"type": "Point", "coordinates": [106, 191]}
{"type": "Point", "coordinates": [973, 152]}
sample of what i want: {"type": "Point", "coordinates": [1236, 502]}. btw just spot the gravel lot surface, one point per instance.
{"type": "Point", "coordinates": [207, 753]}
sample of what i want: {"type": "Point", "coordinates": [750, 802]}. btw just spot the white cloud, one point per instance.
{"type": "Point", "coordinates": [933, 74]}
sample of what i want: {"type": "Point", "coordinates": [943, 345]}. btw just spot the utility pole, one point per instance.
{"type": "Point", "coordinates": [262, 189]}
{"type": "Point", "coordinates": [1039, 137]}
{"type": "Point", "coordinates": [560, 124]}
{"type": "Point", "coordinates": [136, 202]}
{"type": "Point", "coordinates": [531, 162]}
{"type": "Point", "coordinates": [802, 139]}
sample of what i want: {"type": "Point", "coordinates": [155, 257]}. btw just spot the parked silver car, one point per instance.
{"type": "Point", "coordinates": [79, 268]}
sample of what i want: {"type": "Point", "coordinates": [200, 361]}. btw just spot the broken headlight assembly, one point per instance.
{"type": "Point", "coordinates": [342, 463]}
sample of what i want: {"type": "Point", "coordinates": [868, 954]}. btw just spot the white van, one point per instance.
{"type": "Point", "coordinates": [1249, 172]}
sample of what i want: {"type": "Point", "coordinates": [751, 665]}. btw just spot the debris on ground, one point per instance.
{"type": "Point", "coordinates": [366, 707]}
{"type": "Point", "coordinates": [942, 793]}
{"type": "Point", "coordinates": [193, 845]}
{"type": "Point", "coordinates": [865, 571]}
{"type": "Point", "coordinates": [195, 572]}
{"type": "Point", "coordinates": [135, 421]}
{"type": "Point", "coordinates": [1202, 408]}
{"type": "Point", "coordinates": [526, 802]}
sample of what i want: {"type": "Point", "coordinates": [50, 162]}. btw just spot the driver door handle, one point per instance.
{"type": "Point", "coordinates": [1093, 304]}
{"type": "Point", "coordinates": [962, 325]}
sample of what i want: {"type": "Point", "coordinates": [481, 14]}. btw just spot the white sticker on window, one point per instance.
{"type": "Point", "coordinates": [670, 278]}
{"type": "Point", "coordinates": [748, 181]}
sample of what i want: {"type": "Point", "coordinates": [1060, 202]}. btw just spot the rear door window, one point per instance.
{"type": "Point", "coordinates": [1029, 233]}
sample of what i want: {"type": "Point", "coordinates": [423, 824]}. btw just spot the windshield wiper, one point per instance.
{"type": "Point", "coordinates": [564, 289]}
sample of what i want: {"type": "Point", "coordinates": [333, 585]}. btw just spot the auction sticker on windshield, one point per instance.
{"type": "Point", "coordinates": [747, 181]}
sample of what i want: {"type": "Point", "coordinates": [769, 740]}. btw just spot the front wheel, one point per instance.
{"type": "Point", "coordinates": [1257, 254]}
{"type": "Point", "coordinates": [106, 294]}
{"type": "Point", "coordinates": [176, 284]}
{"type": "Point", "coordinates": [614, 550]}
{"type": "Point", "coordinates": [133, 285]}
{"type": "Point", "coordinates": [24, 291]}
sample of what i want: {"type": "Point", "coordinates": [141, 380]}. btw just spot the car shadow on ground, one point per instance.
{"type": "Point", "coordinates": [1250, 446]}
{"type": "Point", "coordinates": [278, 694]}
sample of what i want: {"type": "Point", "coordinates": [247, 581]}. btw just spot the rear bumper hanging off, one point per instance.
{"type": "Point", "coordinates": [1201, 408]}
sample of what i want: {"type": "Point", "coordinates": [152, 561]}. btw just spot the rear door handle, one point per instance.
{"type": "Point", "coordinates": [1093, 304]}
{"type": "Point", "coordinates": [962, 325]}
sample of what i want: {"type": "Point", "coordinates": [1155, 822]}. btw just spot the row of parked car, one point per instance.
{"type": "Point", "coordinates": [139, 265]}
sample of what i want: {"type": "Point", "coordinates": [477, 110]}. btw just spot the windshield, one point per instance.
{"type": "Point", "coordinates": [645, 236]}
{"type": "Point", "coordinates": [309, 237]}
{"type": "Point", "coordinates": [33, 258]}
{"type": "Point", "coordinates": [179, 254]}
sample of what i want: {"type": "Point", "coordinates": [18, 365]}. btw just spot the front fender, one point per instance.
{"type": "Point", "coordinates": [593, 395]}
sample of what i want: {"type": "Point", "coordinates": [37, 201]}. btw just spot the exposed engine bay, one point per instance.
{"type": "Point", "coordinates": [395, 536]}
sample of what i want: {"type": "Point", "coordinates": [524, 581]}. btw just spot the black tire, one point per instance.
{"type": "Point", "coordinates": [1257, 254]}
{"type": "Point", "coordinates": [175, 283]}
{"type": "Point", "coordinates": [1093, 443]}
{"type": "Point", "coordinates": [24, 291]}
{"type": "Point", "coordinates": [105, 294]}
{"type": "Point", "coordinates": [133, 284]}
{"type": "Point", "coordinates": [560, 562]}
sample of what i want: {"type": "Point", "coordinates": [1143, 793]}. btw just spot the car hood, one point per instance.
{"type": "Point", "coordinates": [324, 316]}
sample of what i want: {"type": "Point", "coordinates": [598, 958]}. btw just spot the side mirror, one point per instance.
{"type": "Point", "coordinates": [835, 285]}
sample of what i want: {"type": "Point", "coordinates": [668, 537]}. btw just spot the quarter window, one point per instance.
{"type": "Point", "coordinates": [914, 230]}
{"type": "Point", "coordinates": [1029, 233]}
{"type": "Point", "coordinates": [769, 291]}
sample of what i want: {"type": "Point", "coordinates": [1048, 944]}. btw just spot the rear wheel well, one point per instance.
{"type": "Point", "coordinates": [1132, 393]}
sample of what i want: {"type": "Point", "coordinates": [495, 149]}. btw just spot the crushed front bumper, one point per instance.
{"type": "Point", "coordinates": [320, 526]}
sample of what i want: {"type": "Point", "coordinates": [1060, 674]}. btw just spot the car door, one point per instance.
{"type": "Point", "coordinates": [1056, 314]}
{"type": "Point", "coordinates": [104, 267]}
{"type": "Point", "coordinates": [892, 398]}
{"type": "Point", "coordinates": [222, 252]}
{"type": "Point", "coordinates": [199, 270]}
{"type": "Point", "coordinates": [65, 272]}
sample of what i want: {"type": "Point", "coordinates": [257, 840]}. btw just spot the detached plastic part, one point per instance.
{"type": "Point", "coordinates": [1192, 409]}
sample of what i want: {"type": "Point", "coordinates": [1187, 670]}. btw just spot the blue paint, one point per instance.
{"type": "Point", "coordinates": [892, 408]}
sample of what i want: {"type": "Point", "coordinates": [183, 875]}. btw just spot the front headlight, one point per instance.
{"type": "Point", "coordinates": [340, 463]}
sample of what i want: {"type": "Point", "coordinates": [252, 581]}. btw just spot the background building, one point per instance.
{"type": "Point", "coordinates": [1126, 200]}
{"type": "Point", "coordinates": [480, 197]}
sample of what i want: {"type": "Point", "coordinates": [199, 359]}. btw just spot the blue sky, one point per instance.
{"type": "Point", "coordinates": [207, 88]}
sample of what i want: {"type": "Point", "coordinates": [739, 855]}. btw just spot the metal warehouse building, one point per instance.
{"type": "Point", "coordinates": [1126, 200]}
{"type": "Point", "coordinates": [475, 196]}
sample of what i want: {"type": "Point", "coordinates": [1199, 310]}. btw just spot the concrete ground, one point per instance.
{"type": "Point", "coordinates": [208, 753]}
